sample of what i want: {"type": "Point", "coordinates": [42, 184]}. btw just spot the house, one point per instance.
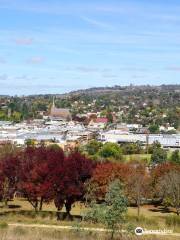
{"type": "Point", "coordinates": [98, 123]}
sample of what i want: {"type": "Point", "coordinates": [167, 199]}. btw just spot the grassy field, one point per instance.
{"type": "Point", "coordinates": [20, 211]}
{"type": "Point", "coordinates": [142, 157]}
{"type": "Point", "coordinates": [19, 233]}
{"type": "Point", "coordinates": [137, 157]}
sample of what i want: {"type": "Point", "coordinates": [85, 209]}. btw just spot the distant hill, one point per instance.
{"type": "Point", "coordinates": [116, 89]}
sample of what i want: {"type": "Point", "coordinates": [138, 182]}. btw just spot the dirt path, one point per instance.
{"type": "Point", "coordinates": [76, 228]}
{"type": "Point", "coordinates": [57, 227]}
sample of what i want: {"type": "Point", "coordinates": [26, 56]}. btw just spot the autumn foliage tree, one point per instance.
{"type": "Point", "coordinates": [43, 174]}
{"type": "Point", "coordinates": [166, 184]}
{"type": "Point", "coordinates": [1, 183]}
{"type": "Point", "coordinates": [108, 172]}
{"type": "Point", "coordinates": [9, 167]}
{"type": "Point", "coordinates": [170, 188]}
{"type": "Point", "coordinates": [69, 180]}
{"type": "Point", "coordinates": [137, 185]}
{"type": "Point", "coordinates": [36, 169]}
{"type": "Point", "coordinates": [156, 174]}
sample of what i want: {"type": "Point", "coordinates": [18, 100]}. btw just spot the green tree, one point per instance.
{"type": "Point", "coordinates": [132, 148]}
{"type": "Point", "coordinates": [93, 147]}
{"type": "Point", "coordinates": [25, 110]}
{"type": "Point", "coordinates": [158, 156]}
{"type": "Point", "coordinates": [153, 146]}
{"type": "Point", "coordinates": [16, 117]}
{"type": "Point", "coordinates": [109, 116]}
{"type": "Point", "coordinates": [30, 142]}
{"type": "Point", "coordinates": [112, 213]}
{"type": "Point", "coordinates": [111, 150]}
{"type": "Point", "coordinates": [154, 128]}
{"type": "Point", "coordinates": [175, 157]}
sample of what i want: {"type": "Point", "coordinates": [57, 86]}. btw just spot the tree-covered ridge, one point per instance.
{"type": "Point", "coordinates": [146, 105]}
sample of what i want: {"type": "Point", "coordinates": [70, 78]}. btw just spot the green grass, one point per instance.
{"type": "Point", "coordinates": [3, 225]}
{"type": "Point", "coordinates": [19, 233]}
{"type": "Point", "coordinates": [22, 212]}
{"type": "Point", "coordinates": [142, 157]}
{"type": "Point", "coordinates": [137, 157]}
{"type": "Point", "coordinates": [173, 220]}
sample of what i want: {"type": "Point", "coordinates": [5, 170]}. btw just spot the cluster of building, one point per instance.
{"type": "Point", "coordinates": [117, 136]}
{"type": "Point", "coordinates": [59, 128]}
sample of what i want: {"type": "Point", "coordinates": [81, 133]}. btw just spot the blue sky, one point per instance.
{"type": "Point", "coordinates": [50, 46]}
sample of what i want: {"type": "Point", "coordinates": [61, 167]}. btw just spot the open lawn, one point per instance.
{"type": "Point", "coordinates": [137, 157]}
{"type": "Point", "coordinates": [21, 233]}
{"type": "Point", "coordinates": [142, 157]}
{"type": "Point", "coordinates": [21, 211]}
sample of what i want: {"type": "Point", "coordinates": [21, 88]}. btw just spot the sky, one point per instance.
{"type": "Point", "coordinates": [56, 46]}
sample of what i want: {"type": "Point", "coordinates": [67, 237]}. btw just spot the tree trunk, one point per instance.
{"type": "Point", "coordinates": [112, 234]}
{"type": "Point", "coordinates": [41, 204]}
{"type": "Point", "coordinates": [178, 211]}
{"type": "Point", "coordinates": [6, 202]}
{"type": "Point", "coordinates": [36, 206]}
{"type": "Point", "coordinates": [138, 208]}
{"type": "Point", "coordinates": [59, 205]}
{"type": "Point", "coordinates": [58, 214]}
{"type": "Point", "coordinates": [68, 206]}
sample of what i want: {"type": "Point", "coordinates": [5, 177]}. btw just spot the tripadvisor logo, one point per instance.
{"type": "Point", "coordinates": [139, 231]}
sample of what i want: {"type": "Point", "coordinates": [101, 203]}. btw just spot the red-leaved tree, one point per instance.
{"type": "Point", "coordinates": [69, 179]}
{"type": "Point", "coordinates": [157, 173]}
{"type": "Point", "coordinates": [106, 173]}
{"type": "Point", "coordinates": [9, 167]}
{"type": "Point", "coordinates": [36, 168]}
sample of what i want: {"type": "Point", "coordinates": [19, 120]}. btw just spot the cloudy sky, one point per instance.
{"type": "Point", "coordinates": [55, 46]}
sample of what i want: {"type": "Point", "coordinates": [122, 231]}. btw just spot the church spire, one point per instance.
{"type": "Point", "coordinates": [53, 105]}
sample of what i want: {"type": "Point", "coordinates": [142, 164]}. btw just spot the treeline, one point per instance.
{"type": "Point", "coordinates": [44, 174]}
{"type": "Point", "coordinates": [117, 152]}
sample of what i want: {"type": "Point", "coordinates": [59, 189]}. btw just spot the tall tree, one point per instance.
{"type": "Point", "coordinates": [158, 156]}
{"type": "Point", "coordinates": [111, 213]}
{"type": "Point", "coordinates": [36, 169]}
{"type": "Point", "coordinates": [156, 173]}
{"type": "Point", "coordinates": [137, 186]}
{"type": "Point", "coordinates": [93, 147]}
{"type": "Point", "coordinates": [170, 188]}
{"type": "Point", "coordinates": [105, 173]}
{"type": "Point", "coordinates": [9, 167]}
{"type": "Point", "coordinates": [69, 179]}
{"type": "Point", "coordinates": [175, 157]}
{"type": "Point", "coordinates": [111, 150]}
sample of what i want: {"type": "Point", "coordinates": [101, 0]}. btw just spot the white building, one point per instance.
{"type": "Point", "coordinates": [116, 136]}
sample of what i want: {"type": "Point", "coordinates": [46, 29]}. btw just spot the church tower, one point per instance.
{"type": "Point", "coordinates": [61, 114]}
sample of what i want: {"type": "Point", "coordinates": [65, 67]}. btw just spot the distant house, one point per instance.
{"type": "Point", "coordinates": [103, 120]}
{"type": "Point", "coordinates": [98, 123]}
